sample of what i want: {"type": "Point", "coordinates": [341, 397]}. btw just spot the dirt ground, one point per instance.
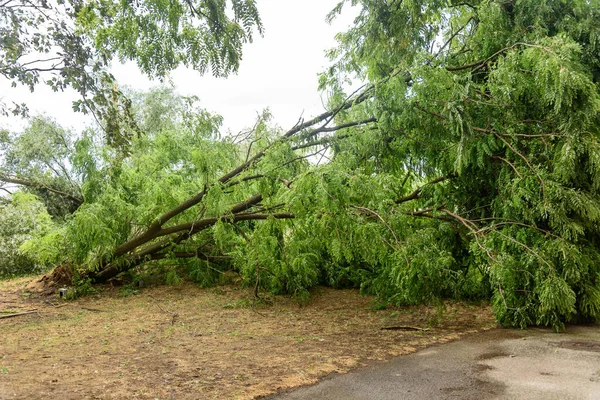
{"type": "Point", "coordinates": [183, 342]}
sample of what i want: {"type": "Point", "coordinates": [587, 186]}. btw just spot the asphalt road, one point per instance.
{"type": "Point", "coordinates": [499, 364]}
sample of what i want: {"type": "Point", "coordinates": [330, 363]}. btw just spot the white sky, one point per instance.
{"type": "Point", "coordinates": [278, 71]}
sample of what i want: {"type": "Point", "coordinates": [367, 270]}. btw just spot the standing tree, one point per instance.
{"type": "Point", "coordinates": [72, 43]}
{"type": "Point", "coordinates": [40, 159]}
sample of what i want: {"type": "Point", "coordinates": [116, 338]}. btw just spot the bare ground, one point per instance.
{"type": "Point", "coordinates": [183, 342]}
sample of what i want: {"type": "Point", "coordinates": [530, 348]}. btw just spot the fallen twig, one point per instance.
{"type": "Point", "coordinates": [403, 328]}
{"type": "Point", "coordinates": [55, 305]}
{"type": "Point", "coordinates": [18, 314]}
{"type": "Point", "coordinates": [91, 309]}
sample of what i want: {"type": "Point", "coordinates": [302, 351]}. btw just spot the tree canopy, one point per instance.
{"type": "Point", "coordinates": [72, 43]}
{"type": "Point", "coordinates": [467, 166]}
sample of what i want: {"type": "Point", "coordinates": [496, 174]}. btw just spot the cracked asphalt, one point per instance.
{"type": "Point", "coordinates": [531, 364]}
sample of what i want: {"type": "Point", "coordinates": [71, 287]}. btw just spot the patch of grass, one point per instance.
{"type": "Point", "coordinates": [242, 303]}
{"type": "Point", "coordinates": [129, 290]}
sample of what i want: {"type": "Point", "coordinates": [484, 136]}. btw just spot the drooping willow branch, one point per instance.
{"type": "Point", "coordinates": [155, 228]}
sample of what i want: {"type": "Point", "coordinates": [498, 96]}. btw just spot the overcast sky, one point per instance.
{"type": "Point", "coordinates": [278, 71]}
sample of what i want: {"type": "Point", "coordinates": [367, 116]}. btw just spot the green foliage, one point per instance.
{"type": "Point", "coordinates": [22, 217]}
{"type": "Point", "coordinates": [80, 288]}
{"type": "Point", "coordinates": [169, 163]}
{"type": "Point", "coordinates": [506, 108]}
{"type": "Point", "coordinates": [40, 160]}
{"type": "Point", "coordinates": [468, 168]}
{"type": "Point", "coordinates": [72, 43]}
{"type": "Point", "coordinates": [162, 35]}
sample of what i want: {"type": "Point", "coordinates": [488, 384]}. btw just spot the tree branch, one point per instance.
{"type": "Point", "coordinates": [417, 193]}
{"type": "Point", "coordinates": [481, 63]}
{"type": "Point", "coordinates": [117, 266]}
{"type": "Point", "coordinates": [38, 185]}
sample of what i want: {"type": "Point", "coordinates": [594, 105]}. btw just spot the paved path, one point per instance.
{"type": "Point", "coordinates": [498, 364]}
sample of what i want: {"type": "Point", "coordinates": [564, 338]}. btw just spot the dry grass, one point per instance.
{"type": "Point", "coordinates": [188, 343]}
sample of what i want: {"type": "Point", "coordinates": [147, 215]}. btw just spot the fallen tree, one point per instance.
{"type": "Point", "coordinates": [137, 249]}
{"type": "Point", "coordinates": [468, 168]}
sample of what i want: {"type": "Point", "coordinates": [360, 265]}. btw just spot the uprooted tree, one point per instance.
{"type": "Point", "coordinates": [468, 166]}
